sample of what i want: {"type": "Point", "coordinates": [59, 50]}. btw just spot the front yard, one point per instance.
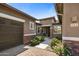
{"type": "Point", "coordinates": [39, 49]}
{"type": "Point", "coordinates": [41, 46]}
{"type": "Point", "coordinates": [54, 45]}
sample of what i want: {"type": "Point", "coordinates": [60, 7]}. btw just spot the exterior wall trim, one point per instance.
{"type": "Point", "coordinates": [71, 38]}
{"type": "Point", "coordinates": [46, 25]}
{"type": "Point", "coordinates": [11, 17]}
{"type": "Point", "coordinates": [29, 34]}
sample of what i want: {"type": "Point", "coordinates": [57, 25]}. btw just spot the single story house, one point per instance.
{"type": "Point", "coordinates": [17, 27]}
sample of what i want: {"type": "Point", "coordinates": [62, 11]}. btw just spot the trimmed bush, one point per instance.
{"type": "Point", "coordinates": [37, 40]}
{"type": "Point", "coordinates": [41, 38]}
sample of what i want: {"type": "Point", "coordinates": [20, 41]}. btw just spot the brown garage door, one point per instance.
{"type": "Point", "coordinates": [11, 33]}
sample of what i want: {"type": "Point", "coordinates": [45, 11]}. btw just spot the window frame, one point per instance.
{"type": "Point", "coordinates": [31, 25]}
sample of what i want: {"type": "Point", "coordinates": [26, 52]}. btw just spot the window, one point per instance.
{"type": "Point", "coordinates": [57, 29]}
{"type": "Point", "coordinates": [31, 25]}
{"type": "Point", "coordinates": [39, 30]}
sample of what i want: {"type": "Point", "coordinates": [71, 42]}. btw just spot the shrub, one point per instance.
{"type": "Point", "coordinates": [37, 40]}
{"type": "Point", "coordinates": [57, 47]}
{"type": "Point", "coordinates": [67, 51]}
{"type": "Point", "coordinates": [55, 42]}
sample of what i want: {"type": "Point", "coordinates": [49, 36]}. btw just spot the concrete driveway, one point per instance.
{"type": "Point", "coordinates": [37, 52]}
{"type": "Point", "coordinates": [13, 51]}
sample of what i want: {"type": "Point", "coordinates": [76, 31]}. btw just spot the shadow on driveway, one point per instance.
{"type": "Point", "coordinates": [13, 51]}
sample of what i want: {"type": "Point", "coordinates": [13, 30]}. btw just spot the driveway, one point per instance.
{"type": "Point", "coordinates": [13, 51]}
{"type": "Point", "coordinates": [37, 52]}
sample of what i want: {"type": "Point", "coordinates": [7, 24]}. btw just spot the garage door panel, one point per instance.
{"type": "Point", "coordinates": [11, 33]}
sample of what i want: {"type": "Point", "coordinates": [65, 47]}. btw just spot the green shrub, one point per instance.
{"type": "Point", "coordinates": [67, 51]}
{"type": "Point", "coordinates": [55, 42]}
{"type": "Point", "coordinates": [37, 40]}
{"type": "Point", "coordinates": [58, 50]}
{"type": "Point", "coordinates": [41, 38]}
{"type": "Point", "coordinates": [57, 47]}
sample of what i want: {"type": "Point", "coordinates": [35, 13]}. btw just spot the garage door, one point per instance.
{"type": "Point", "coordinates": [11, 33]}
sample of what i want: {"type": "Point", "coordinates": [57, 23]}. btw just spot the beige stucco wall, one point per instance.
{"type": "Point", "coordinates": [47, 21]}
{"type": "Point", "coordinates": [27, 27]}
{"type": "Point", "coordinates": [70, 10]}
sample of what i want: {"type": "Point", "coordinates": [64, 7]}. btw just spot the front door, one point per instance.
{"type": "Point", "coordinates": [46, 31]}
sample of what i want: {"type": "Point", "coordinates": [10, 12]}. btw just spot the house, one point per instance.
{"type": "Point", "coordinates": [47, 27]}
{"type": "Point", "coordinates": [69, 15]}
{"type": "Point", "coordinates": [16, 27]}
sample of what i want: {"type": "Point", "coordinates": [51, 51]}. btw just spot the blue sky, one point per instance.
{"type": "Point", "coordinates": [37, 10]}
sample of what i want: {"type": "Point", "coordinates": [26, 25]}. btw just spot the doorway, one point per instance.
{"type": "Point", "coordinates": [46, 31]}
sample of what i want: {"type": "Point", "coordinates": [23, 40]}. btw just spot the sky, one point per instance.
{"type": "Point", "coordinates": [37, 10]}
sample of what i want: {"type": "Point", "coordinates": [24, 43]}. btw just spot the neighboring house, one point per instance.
{"type": "Point", "coordinates": [14, 25]}
{"type": "Point", "coordinates": [70, 25]}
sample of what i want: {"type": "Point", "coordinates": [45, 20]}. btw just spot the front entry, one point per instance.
{"type": "Point", "coordinates": [46, 31]}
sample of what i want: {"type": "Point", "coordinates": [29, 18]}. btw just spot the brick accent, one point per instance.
{"type": "Point", "coordinates": [27, 39]}
{"type": "Point", "coordinates": [74, 46]}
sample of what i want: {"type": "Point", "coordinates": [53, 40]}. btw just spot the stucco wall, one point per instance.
{"type": "Point", "coordinates": [12, 12]}
{"type": "Point", "coordinates": [70, 10]}
{"type": "Point", "coordinates": [27, 29]}
{"type": "Point", "coordinates": [47, 21]}
{"type": "Point", "coordinates": [9, 11]}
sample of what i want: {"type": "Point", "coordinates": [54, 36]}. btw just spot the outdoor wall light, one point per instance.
{"type": "Point", "coordinates": [74, 19]}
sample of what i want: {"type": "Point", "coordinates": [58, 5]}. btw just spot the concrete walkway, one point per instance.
{"type": "Point", "coordinates": [44, 44]}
